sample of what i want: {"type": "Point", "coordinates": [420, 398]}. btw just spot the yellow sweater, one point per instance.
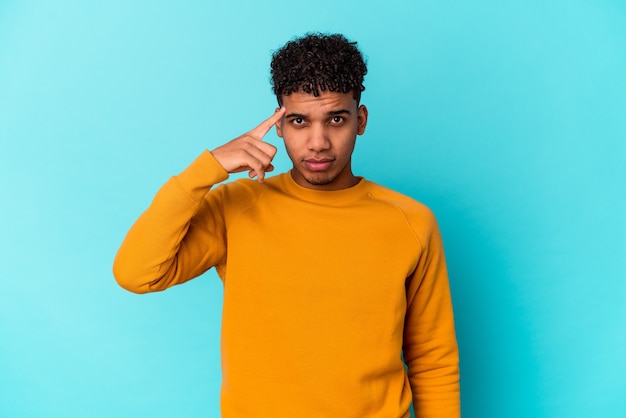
{"type": "Point", "coordinates": [325, 292]}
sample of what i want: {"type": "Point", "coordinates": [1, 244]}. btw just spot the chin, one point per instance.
{"type": "Point", "coordinates": [319, 179]}
{"type": "Point", "coordinates": [319, 182]}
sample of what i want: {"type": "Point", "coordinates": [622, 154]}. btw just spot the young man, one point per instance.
{"type": "Point", "coordinates": [331, 282]}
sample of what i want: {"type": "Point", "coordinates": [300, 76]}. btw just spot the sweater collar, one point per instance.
{"type": "Point", "coordinates": [323, 197]}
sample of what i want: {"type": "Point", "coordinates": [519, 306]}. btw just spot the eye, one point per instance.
{"type": "Point", "coordinates": [336, 120]}
{"type": "Point", "coordinates": [297, 121]}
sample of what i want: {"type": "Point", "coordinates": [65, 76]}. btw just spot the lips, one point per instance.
{"type": "Point", "coordinates": [321, 164]}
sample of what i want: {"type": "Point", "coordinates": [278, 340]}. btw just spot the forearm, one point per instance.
{"type": "Point", "coordinates": [432, 357]}
{"type": "Point", "coordinates": [435, 384]}
{"type": "Point", "coordinates": [154, 255]}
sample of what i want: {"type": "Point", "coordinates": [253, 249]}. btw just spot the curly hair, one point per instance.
{"type": "Point", "coordinates": [318, 62]}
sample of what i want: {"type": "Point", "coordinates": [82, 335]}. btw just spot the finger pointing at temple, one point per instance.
{"type": "Point", "coordinates": [248, 151]}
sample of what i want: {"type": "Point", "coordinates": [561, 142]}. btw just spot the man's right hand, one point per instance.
{"type": "Point", "coordinates": [249, 152]}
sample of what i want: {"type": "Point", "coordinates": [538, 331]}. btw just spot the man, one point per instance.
{"type": "Point", "coordinates": [331, 282]}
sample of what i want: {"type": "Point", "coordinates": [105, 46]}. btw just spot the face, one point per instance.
{"type": "Point", "coordinates": [319, 135]}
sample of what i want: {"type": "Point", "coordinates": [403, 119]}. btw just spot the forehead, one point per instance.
{"type": "Point", "coordinates": [328, 101]}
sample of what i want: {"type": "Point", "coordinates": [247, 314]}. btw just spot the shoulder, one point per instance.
{"type": "Point", "coordinates": [406, 204]}
{"type": "Point", "coordinates": [419, 217]}
{"type": "Point", "coordinates": [242, 192]}
{"type": "Point", "coordinates": [239, 190]}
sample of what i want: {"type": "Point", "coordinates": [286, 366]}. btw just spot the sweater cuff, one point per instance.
{"type": "Point", "coordinates": [202, 174]}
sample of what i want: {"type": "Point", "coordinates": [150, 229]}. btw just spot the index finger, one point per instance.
{"type": "Point", "coordinates": [260, 131]}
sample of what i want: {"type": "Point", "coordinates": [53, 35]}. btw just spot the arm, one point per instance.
{"type": "Point", "coordinates": [161, 248]}
{"type": "Point", "coordinates": [430, 347]}
{"type": "Point", "coordinates": [182, 233]}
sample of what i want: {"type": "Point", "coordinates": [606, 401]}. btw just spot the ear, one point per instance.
{"type": "Point", "coordinates": [361, 119]}
{"type": "Point", "coordinates": [278, 125]}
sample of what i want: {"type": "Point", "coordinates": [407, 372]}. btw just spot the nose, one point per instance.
{"type": "Point", "coordinates": [318, 139]}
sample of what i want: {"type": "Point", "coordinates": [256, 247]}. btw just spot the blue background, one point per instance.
{"type": "Point", "coordinates": [507, 118]}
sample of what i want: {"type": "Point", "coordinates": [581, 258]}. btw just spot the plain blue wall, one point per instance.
{"type": "Point", "coordinates": [507, 118]}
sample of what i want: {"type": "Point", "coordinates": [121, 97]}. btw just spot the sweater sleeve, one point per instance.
{"type": "Point", "coordinates": [430, 348]}
{"type": "Point", "coordinates": [179, 236]}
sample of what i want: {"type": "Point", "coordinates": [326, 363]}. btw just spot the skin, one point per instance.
{"type": "Point", "coordinates": [248, 152]}
{"type": "Point", "coordinates": [319, 135]}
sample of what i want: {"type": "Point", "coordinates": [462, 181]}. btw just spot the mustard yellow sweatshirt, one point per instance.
{"type": "Point", "coordinates": [325, 292]}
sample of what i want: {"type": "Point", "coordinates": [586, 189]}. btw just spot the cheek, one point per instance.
{"type": "Point", "coordinates": [292, 138]}
{"type": "Point", "coordinates": [346, 141]}
{"type": "Point", "coordinates": [290, 146]}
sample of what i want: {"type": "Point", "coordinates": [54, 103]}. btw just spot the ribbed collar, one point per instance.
{"type": "Point", "coordinates": [323, 197]}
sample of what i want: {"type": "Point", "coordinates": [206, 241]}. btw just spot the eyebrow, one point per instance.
{"type": "Point", "coordinates": [331, 113]}
{"type": "Point", "coordinates": [339, 112]}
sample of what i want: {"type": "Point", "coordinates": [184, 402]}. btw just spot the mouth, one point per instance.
{"type": "Point", "coordinates": [318, 164]}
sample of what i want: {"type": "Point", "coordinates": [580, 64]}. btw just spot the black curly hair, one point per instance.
{"type": "Point", "coordinates": [318, 62]}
